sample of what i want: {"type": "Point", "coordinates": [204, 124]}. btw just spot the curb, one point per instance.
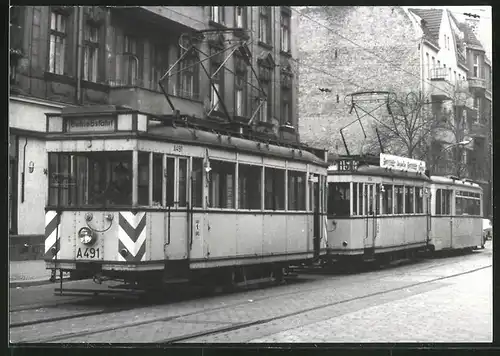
{"type": "Point", "coordinates": [34, 282]}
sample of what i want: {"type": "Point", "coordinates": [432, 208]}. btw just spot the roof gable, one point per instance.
{"type": "Point", "coordinates": [432, 22]}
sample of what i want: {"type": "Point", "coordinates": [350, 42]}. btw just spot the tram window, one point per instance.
{"type": "Point", "coordinates": [221, 184]}
{"type": "Point", "coordinates": [409, 200]}
{"type": "Point", "coordinates": [443, 201]}
{"type": "Point", "coordinates": [459, 206]}
{"type": "Point", "coordinates": [170, 181]}
{"type": "Point", "coordinates": [360, 198]}
{"type": "Point", "coordinates": [419, 200]}
{"type": "Point", "coordinates": [398, 193]}
{"type": "Point", "coordinates": [387, 199]}
{"type": "Point", "coordinates": [81, 179]}
{"type": "Point", "coordinates": [377, 200]}
{"type": "Point", "coordinates": [157, 179]}
{"type": "Point", "coordinates": [143, 182]}
{"type": "Point", "coordinates": [354, 198]}
{"type": "Point", "coordinates": [339, 199]}
{"type": "Point", "coordinates": [197, 190]}
{"type": "Point", "coordinates": [296, 190]}
{"type": "Point", "coordinates": [182, 182]}
{"type": "Point", "coordinates": [274, 189]}
{"type": "Point", "coordinates": [249, 186]}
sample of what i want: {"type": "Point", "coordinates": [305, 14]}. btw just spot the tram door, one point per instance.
{"type": "Point", "coordinates": [315, 205]}
{"type": "Point", "coordinates": [370, 221]}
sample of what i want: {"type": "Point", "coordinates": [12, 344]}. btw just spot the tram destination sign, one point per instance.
{"type": "Point", "coordinates": [90, 125]}
{"type": "Point", "coordinates": [402, 163]}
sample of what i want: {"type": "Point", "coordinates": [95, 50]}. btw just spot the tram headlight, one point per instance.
{"type": "Point", "coordinates": [86, 236]}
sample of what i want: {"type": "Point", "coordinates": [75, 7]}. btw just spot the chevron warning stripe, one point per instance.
{"type": "Point", "coordinates": [132, 236]}
{"type": "Point", "coordinates": [52, 233]}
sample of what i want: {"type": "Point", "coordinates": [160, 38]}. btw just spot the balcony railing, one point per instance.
{"type": "Point", "coordinates": [439, 74]}
{"type": "Point", "coordinates": [477, 82]}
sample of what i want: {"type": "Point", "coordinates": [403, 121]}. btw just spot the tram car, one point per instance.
{"type": "Point", "coordinates": [146, 200]}
{"type": "Point", "coordinates": [377, 208]}
{"type": "Point", "coordinates": [456, 214]}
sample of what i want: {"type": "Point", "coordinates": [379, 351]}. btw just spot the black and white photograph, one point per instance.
{"type": "Point", "coordinates": [258, 175]}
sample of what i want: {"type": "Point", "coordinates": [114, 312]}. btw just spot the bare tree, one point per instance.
{"type": "Point", "coordinates": [415, 126]}
{"type": "Point", "coordinates": [406, 127]}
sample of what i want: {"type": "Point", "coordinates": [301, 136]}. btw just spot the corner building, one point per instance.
{"type": "Point", "coordinates": [89, 56]}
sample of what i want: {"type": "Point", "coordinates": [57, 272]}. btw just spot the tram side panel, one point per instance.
{"type": "Point", "coordinates": [345, 236]}
{"type": "Point", "coordinates": [467, 232]}
{"type": "Point", "coordinates": [169, 235]}
{"type": "Point", "coordinates": [298, 235]}
{"type": "Point", "coordinates": [273, 238]}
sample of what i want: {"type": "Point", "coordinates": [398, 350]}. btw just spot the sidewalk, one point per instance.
{"type": "Point", "coordinates": [29, 273]}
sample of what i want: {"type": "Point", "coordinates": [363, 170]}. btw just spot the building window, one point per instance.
{"type": "Point", "coordinates": [249, 186]}
{"type": "Point", "coordinates": [274, 198]}
{"type": "Point", "coordinates": [57, 48]}
{"type": "Point", "coordinates": [476, 66]}
{"type": "Point", "coordinates": [427, 62]}
{"type": "Point", "coordinates": [131, 61]}
{"type": "Point", "coordinates": [91, 54]}
{"type": "Point", "coordinates": [159, 65]}
{"type": "Point", "coordinates": [286, 116]}
{"type": "Point", "coordinates": [217, 14]}
{"type": "Point", "coordinates": [188, 76]}
{"type": "Point", "coordinates": [218, 79]}
{"type": "Point", "coordinates": [285, 32]}
{"type": "Point", "coordinates": [240, 17]}
{"type": "Point", "coordinates": [264, 24]}
{"type": "Point", "coordinates": [240, 87]}
{"type": "Point", "coordinates": [266, 80]}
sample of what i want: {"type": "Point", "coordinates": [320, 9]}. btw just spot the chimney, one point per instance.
{"type": "Point", "coordinates": [474, 25]}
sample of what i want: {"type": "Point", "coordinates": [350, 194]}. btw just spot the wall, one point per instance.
{"type": "Point", "coordinates": [35, 187]}
{"type": "Point", "coordinates": [386, 31]}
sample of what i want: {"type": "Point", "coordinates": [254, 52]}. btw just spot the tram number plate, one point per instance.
{"type": "Point", "coordinates": [88, 252]}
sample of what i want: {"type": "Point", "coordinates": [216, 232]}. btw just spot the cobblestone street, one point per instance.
{"type": "Point", "coordinates": [427, 301]}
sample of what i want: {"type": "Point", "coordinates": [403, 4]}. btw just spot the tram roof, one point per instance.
{"type": "Point", "coordinates": [455, 181]}
{"type": "Point", "coordinates": [204, 138]}
{"type": "Point", "coordinates": [370, 170]}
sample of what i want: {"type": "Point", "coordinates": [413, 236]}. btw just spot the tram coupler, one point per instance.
{"type": "Point", "coordinates": [97, 278]}
{"type": "Point", "coordinates": [52, 276]}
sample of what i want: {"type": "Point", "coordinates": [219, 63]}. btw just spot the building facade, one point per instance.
{"type": "Point", "coordinates": [349, 49]}
{"type": "Point", "coordinates": [91, 55]}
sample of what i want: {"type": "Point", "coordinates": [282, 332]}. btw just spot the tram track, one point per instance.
{"type": "Point", "coordinates": [244, 325]}
{"type": "Point", "coordinates": [172, 318]}
{"type": "Point", "coordinates": [184, 296]}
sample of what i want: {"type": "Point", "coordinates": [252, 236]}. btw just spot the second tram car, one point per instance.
{"type": "Point", "coordinates": [143, 199]}
{"type": "Point", "coordinates": [456, 214]}
{"type": "Point", "coordinates": [376, 209]}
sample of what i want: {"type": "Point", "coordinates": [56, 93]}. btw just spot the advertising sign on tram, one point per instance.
{"type": "Point", "coordinates": [402, 163]}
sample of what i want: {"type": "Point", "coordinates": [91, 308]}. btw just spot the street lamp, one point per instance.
{"type": "Point", "coordinates": [461, 143]}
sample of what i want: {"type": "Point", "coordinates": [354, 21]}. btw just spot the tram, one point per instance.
{"type": "Point", "coordinates": [146, 199]}
{"type": "Point", "coordinates": [456, 214]}
{"type": "Point", "coordinates": [377, 208]}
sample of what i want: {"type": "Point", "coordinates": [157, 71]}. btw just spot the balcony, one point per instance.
{"type": "Point", "coordinates": [478, 129]}
{"type": "Point", "coordinates": [189, 16]}
{"type": "Point", "coordinates": [477, 83]}
{"type": "Point", "coordinates": [441, 88]}
{"type": "Point", "coordinates": [151, 101]}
